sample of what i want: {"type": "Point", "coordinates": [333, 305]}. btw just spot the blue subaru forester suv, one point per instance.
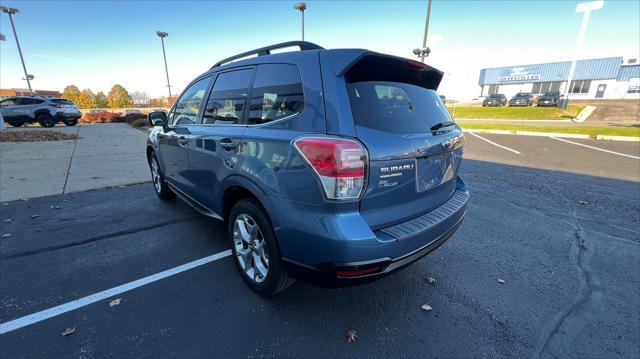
{"type": "Point", "coordinates": [335, 167]}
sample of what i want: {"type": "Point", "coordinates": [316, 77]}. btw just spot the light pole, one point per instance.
{"type": "Point", "coordinates": [302, 7]}
{"type": "Point", "coordinates": [424, 50]}
{"type": "Point", "coordinates": [12, 11]}
{"type": "Point", "coordinates": [586, 8]}
{"type": "Point", "coordinates": [162, 35]}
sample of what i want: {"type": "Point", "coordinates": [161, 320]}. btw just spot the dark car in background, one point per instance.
{"type": "Point", "coordinates": [332, 166]}
{"type": "Point", "coordinates": [495, 100]}
{"type": "Point", "coordinates": [521, 99]}
{"type": "Point", "coordinates": [18, 111]}
{"type": "Point", "coordinates": [550, 99]}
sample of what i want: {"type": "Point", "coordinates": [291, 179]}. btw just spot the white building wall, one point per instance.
{"type": "Point", "coordinates": [614, 90]}
{"type": "Point", "coordinates": [510, 90]}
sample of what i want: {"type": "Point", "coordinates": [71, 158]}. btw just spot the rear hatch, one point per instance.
{"type": "Point", "coordinates": [396, 112]}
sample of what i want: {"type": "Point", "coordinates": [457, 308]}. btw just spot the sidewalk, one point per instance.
{"type": "Point", "coordinates": [104, 155]}
{"type": "Point", "coordinates": [568, 122]}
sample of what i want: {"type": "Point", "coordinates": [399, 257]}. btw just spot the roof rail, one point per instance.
{"type": "Point", "coordinates": [263, 51]}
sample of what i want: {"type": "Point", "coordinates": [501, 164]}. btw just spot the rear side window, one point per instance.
{"type": "Point", "coordinates": [395, 107]}
{"type": "Point", "coordinates": [225, 104]}
{"type": "Point", "coordinates": [63, 102]}
{"type": "Point", "coordinates": [31, 101]}
{"type": "Point", "coordinates": [277, 93]}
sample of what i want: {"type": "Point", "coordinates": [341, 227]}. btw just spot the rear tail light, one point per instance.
{"type": "Point", "coordinates": [339, 163]}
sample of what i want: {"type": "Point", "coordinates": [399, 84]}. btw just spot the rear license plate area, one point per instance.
{"type": "Point", "coordinates": [438, 169]}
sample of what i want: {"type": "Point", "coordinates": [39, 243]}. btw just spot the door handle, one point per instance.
{"type": "Point", "coordinates": [227, 144]}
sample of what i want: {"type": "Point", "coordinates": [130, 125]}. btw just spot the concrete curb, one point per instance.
{"type": "Point", "coordinates": [618, 138]}
{"type": "Point", "coordinates": [553, 134]}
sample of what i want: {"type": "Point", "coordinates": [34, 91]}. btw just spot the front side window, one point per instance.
{"type": "Point", "coordinates": [225, 105]}
{"type": "Point", "coordinates": [186, 109]}
{"type": "Point", "coordinates": [8, 102]}
{"type": "Point", "coordinates": [277, 93]}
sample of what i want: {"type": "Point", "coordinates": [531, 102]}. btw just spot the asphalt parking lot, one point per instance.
{"type": "Point", "coordinates": [557, 222]}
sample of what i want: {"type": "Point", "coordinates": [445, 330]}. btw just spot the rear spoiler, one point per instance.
{"type": "Point", "coordinates": [357, 65]}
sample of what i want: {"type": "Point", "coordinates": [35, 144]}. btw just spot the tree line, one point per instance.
{"type": "Point", "coordinates": [118, 97]}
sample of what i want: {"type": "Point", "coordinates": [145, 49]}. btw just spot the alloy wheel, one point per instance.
{"type": "Point", "coordinates": [251, 249]}
{"type": "Point", "coordinates": [155, 175]}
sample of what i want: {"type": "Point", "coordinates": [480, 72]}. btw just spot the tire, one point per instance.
{"type": "Point", "coordinates": [256, 253]}
{"type": "Point", "coordinates": [70, 122]}
{"type": "Point", "coordinates": [16, 124]}
{"type": "Point", "coordinates": [160, 186]}
{"type": "Point", "coordinates": [46, 120]}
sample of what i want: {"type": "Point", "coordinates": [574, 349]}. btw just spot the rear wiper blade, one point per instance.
{"type": "Point", "coordinates": [440, 125]}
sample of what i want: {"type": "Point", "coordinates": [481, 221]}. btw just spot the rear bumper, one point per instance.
{"type": "Point", "coordinates": [387, 251]}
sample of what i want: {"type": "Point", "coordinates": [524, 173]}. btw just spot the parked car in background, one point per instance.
{"type": "Point", "coordinates": [444, 99]}
{"type": "Point", "coordinates": [97, 110]}
{"type": "Point", "coordinates": [132, 114]}
{"type": "Point", "coordinates": [495, 100]}
{"type": "Point", "coordinates": [521, 99]}
{"type": "Point", "coordinates": [551, 99]}
{"type": "Point", "coordinates": [336, 197]}
{"type": "Point", "coordinates": [46, 111]}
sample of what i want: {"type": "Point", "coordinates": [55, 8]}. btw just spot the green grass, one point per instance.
{"type": "Point", "coordinates": [586, 130]}
{"type": "Point", "coordinates": [516, 113]}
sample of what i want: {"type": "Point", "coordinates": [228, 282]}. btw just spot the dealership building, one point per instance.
{"type": "Point", "coordinates": [606, 78]}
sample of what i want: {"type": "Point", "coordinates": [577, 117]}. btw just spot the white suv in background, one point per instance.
{"type": "Point", "coordinates": [17, 111]}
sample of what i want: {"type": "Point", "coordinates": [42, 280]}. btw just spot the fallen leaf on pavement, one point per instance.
{"type": "Point", "coordinates": [55, 207]}
{"type": "Point", "coordinates": [68, 331]}
{"type": "Point", "coordinates": [6, 235]}
{"type": "Point", "coordinates": [501, 281]}
{"type": "Point", "coordinates": [114, 302]}
{"type": "Point", "coordinates": [430, 280]}
{"type": "Point", "coordinates": [582, 202]}
{"type": "Point", "coordinates": [351, 336]}
{"type": "Point", "coordinates": [426, 307]}
{"type": "Point", "coordinates": [8, 220]}
{"type": "Point", "coordinates": [35, 215]}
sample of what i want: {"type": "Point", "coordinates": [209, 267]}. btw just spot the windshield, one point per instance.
{"type": "Point", "coordinates": [396, 107]}
{"type": "Point", "coordinates": [522, 94]}
{"type": "Point", "coordinates": [553, 93]}
{"type": "Point", "coordinates": [495, 96]}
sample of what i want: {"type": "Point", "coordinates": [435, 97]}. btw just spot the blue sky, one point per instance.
{"type": "Point", "coordinates": [96, 44]}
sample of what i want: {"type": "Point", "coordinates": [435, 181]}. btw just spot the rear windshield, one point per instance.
{"type": "Point", "coordinates": [396, 107]}
{"type": "Point", "coordinates": [62, 101]}
{"type": "Point", "coordinates": [496, 96]}
{"type": "Point", "coordinates": [522, 94]}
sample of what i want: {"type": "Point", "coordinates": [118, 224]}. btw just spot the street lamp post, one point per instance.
{"type": "Point", "coordinates": [302, 7]}
{"type": "Point", "coordinates": [586, 8]}
{"type": "Point", "coordinates": [162, 35]}
{"type": "Point", "coordinates": [12, 11]}
{"type": "Point", "coordinates": [426, 31]}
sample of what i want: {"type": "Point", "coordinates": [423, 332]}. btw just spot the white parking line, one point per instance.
{"type": "Point", "coordinates": [493, 143]}
{"type": "Point", "coordinates": [596, 148]}
{"type": "Point", "coordinates": [79, 303]}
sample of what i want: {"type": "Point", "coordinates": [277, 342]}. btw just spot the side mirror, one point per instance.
{"type": "Point", "coordinates": [157, 118]}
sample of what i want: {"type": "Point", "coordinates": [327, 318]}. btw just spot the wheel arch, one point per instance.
{"type": "Point", "coordinates": [237, 188]}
